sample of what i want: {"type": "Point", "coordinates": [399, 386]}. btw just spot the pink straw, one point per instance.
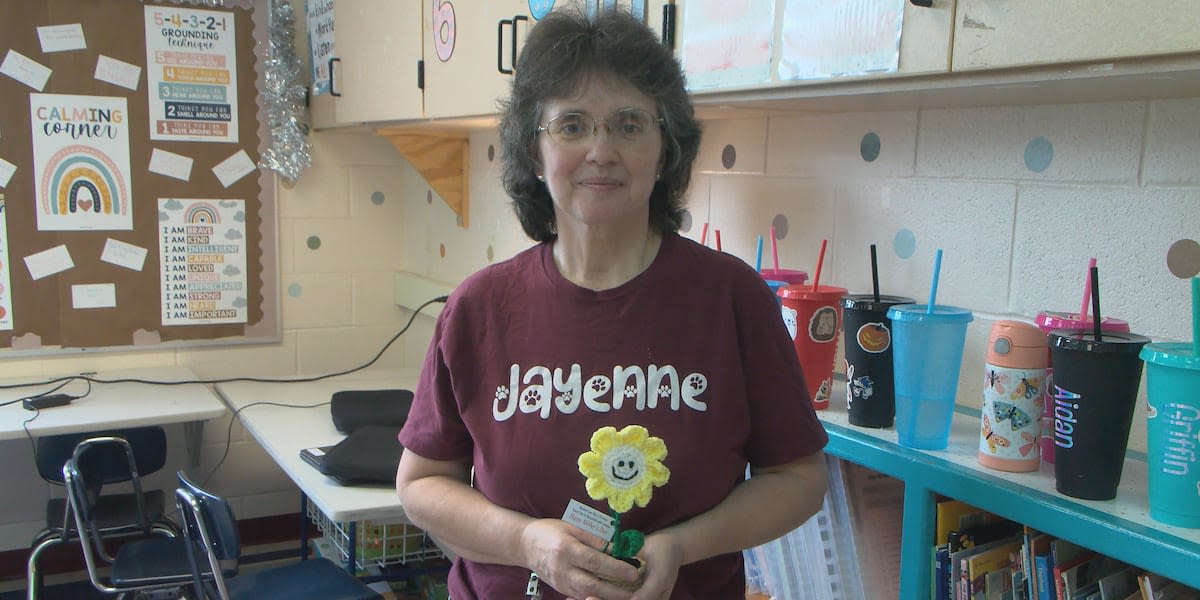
{"type": "Point", "coordinates": [1087, 290]}
{"type": "Point", "coordinates": [717, 234]}
{"type": "Point", "coordinates": [774, 251]}
{"type": "Point", "coordinates": [704, 234]}
{"type": "Point", "coordinates": [820, 261]}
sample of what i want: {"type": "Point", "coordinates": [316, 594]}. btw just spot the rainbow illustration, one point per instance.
{"type": "Point", "coordinates": [83, 179]}
{"type": "Point", "coordinates": [201, 213]}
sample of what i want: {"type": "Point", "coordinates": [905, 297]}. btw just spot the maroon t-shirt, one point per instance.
{"type": "Point", "coordinates": [524, 366]}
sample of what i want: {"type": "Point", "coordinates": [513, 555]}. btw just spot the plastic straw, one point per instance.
{"type": "Point", "coordinates": [704, 234]}
{"type": "Point", "coordinates": [1096, 304]}
{"type": "Point", "coordinates": [717, 234]}
{"type": "Point", "coordinates": [758, 255]}
{"type": "Point", "coordinates": [774, 251]}
{"type": "Point", "coordinates": [933, 283]}
{"type": "Point", "coordinates": [820, 261]}
{"type": "Point", "coordinates": [1087, 290]}
{"type": "Point", "coordinates": [874, 273]}
{"type": "Point", "coordinates": [1196, 316]}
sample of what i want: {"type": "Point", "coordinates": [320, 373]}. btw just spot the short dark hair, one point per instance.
{"type": "Point", "coordinates": [561, 52]}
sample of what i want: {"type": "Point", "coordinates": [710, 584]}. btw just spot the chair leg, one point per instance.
{"type": "Point", "coordinates": [33, 577]}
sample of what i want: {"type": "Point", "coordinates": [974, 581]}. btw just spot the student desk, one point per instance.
{"type": "Point", "coordinates": [283, 432]}
{"type": "Point", "coordinates": [116, 405]}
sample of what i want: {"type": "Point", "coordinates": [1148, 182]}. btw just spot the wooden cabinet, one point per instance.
{"type": "Point", "coordinates": [1006, 33]}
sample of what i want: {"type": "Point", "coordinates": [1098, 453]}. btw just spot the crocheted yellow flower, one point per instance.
{"type": "Point", "coordinates": [624, 466]}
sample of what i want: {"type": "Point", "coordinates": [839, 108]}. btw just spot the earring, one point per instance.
{"type": "Point", "coordinates": [658, 176]}
{"type": "Point", "coordinates": [541, 178]}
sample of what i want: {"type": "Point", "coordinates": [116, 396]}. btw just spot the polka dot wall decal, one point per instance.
{"type": "Point", "coordinates": [868, 148]}
{"type": "Point", "coordinates": [685, 223]}
{"type": "Point", "coordinates": [728, 156]}
{"type": "Point", "coordinates": [294, 290]}
{"type": "Point", "coordinates": [442, 250]}
{"type": "Point", "coordinates": [490, 253]}
{"type": "Point", "coordinates": [429, 197]}
{"type": "Point", "coordinates": [905, 243]}
{"type": "Point", "coordinates": [313, 242]}
{"type": "Point", "coordinates": [491, 152]}
{"type": "Point", "coordinates": [1038, 154]}
{"type": "Point", "coordinates": [1183, 259]}
{"type": "Point", "coordinates": [377, 198]}
{"type": "Point", "coordinates": [780, 223]}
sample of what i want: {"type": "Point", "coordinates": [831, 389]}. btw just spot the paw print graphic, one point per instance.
{"type": "Point", "coordinates": [599, 384]}
{"type": "Point", "coordinates": [501, 393]}
{"type": "Point", "coordinates": [630, 391]}
{"type": "Point", "coordinates": [531, 397]}
{"type": "Point", "coordinates": [664, 391]}
{"type": "Point", "coordinates": [565, 399]}
{"type": "Point", "coordinates": [697, 382]}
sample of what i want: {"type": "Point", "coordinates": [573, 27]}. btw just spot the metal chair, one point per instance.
{"type": "Point", "coordinates": [140, 565]}
{"type": "Point", "coordinates": [137, 512]}
{"type": "Point", "coordinates": [214, 548]}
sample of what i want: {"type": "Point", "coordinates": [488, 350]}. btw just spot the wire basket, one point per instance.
{"type": "Point", "coordinates": [377, 544]}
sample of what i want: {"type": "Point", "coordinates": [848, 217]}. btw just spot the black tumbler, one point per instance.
{"type": "Point", "coordinates": [1094, 393]}
{"type": "Point", "coordinates": [870, 393]}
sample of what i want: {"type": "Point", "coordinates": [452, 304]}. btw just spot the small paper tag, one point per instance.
{"type": "Point", "coordinates": [589, 519]}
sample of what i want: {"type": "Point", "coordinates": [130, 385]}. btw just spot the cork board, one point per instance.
{"type": "Point", "coordinates": [177, 83]}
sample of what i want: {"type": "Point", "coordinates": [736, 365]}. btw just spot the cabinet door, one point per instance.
{"type": "Point", "coordinates": [1004, 33]}
{"type": "Point", "coordinates": [467, 45]}
{"type": "Point", "coordinates": [379, 44]}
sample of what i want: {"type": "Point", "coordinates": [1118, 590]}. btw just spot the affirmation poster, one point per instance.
{"type": "Point", "coordinates": [191, 68]}
{"type": "Point", "coordinates": [319, 16]}
{"type": "Point", "coordinates": [727, 42]}
{"type": "Point", "coordinates": [6, 321]}
{"type": "Point", "coordinates": [81, 162]}
{"type": "Point", "coordinates": [202, 246]}
{"type": "Point", "coordinates": [830, 39]}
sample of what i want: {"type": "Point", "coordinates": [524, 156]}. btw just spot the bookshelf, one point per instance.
{"type": "Point", "coordinates": [1120, 528]}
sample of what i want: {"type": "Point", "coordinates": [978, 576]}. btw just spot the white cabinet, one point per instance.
{"type": "Point", "coordinates": [1006, 33]}
{"type": "Point", "coordinates": [469, 54]}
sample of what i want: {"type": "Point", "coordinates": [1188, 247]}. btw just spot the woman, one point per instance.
{"type": "Point", "coordinates": [613, 319]}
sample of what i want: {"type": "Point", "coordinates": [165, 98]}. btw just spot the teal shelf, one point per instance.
{"type": "Point", "coordinates": [1120, 528]}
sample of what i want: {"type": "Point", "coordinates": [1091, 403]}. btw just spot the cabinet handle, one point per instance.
{"type": "Point", "coordinates": [668, 25]}
{"type": "Point", "coordinates": [333, 92]}
{"type": "Point", "coordinates": [500, 45]}
{"type": "Point", "coordinates": [500, 42]}
{"type": "Point", "coordinates": [922, 3]}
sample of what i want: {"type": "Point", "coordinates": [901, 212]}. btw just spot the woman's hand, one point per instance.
{"type": "Point", "coordinates": [570, 560]}
{"type": "Point", "coordinates": [662, 556]}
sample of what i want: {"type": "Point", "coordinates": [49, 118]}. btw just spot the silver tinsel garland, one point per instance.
{"type": "Point", "coordinates": [283, 93]}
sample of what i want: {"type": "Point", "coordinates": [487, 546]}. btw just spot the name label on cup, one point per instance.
{"type": "Point", "coordinates": [1066, 406]}
{"type": "Point", "coordinates": [1179, 449]}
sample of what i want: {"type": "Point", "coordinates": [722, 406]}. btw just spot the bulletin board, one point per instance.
{"type": "Point", "coordinates": [134, 215]}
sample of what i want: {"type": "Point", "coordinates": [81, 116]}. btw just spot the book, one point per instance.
{"type": "Point", "coordinates": [961, 569]}
{"type": "Point", "coordinates": [1044, 567]}
{"type": "Point", "coordinates": [1118, 585]}
{"type": "Point", "coordinates": [1038, 545]}
{"type": "Point", "coordinates": [1083, 578]}
{"type": "Point", "coordinates": [953, 514]}
{"type": "Point", "coordinates": [1070, 564]}
{"type": "Point", "coordinates": [1063, 552]}
{"type": "Point", "coordinates": [995, 559]}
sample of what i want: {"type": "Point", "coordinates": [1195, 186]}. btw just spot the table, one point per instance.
{"type": "Point", "coordinates": [283, 432]}
{"type": "Point", "coordinates": [113, 405]}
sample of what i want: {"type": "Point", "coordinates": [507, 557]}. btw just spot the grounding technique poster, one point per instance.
{"type": "Point", "coordinates": [191, 69]}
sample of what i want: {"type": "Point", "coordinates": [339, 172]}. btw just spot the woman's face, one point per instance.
{"type": "Point", "coordinates": [606, 178]}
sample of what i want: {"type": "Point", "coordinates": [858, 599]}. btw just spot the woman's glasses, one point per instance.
{"type": "Point", "coordinates": [627, 124]}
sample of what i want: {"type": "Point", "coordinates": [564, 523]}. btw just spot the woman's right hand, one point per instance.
{"type": "Point", "coordinates": [571, 561]}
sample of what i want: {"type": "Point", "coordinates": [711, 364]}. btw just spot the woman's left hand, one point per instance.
{"type": "Point", "coordinates": [662, 556]}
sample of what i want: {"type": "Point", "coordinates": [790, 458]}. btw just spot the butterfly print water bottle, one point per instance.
{"type": "Point", "coordinates": [1014, 379]}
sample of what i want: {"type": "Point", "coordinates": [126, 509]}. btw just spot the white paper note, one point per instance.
{"type": "Point", "coordinates": [25, 70]}
{"type": "Point", "coordinates": [118, 72]}
{"type": "Point", "coordinates": [123, 254]}
{"type": "Point", "coordinates": [59, 38]}
{"type": "Point", "coordinates": [94, 295]}
{"type": "Point", "coordinates": [171, 164]}
{"type": "Point", "coordinates": [6, 172]}
{"type": "Point", "coordinates": [49, 262]}
{"type": "Point", "coordinates": [234, 168]}
{"type": "Point", "coordinates": [588, 519]}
